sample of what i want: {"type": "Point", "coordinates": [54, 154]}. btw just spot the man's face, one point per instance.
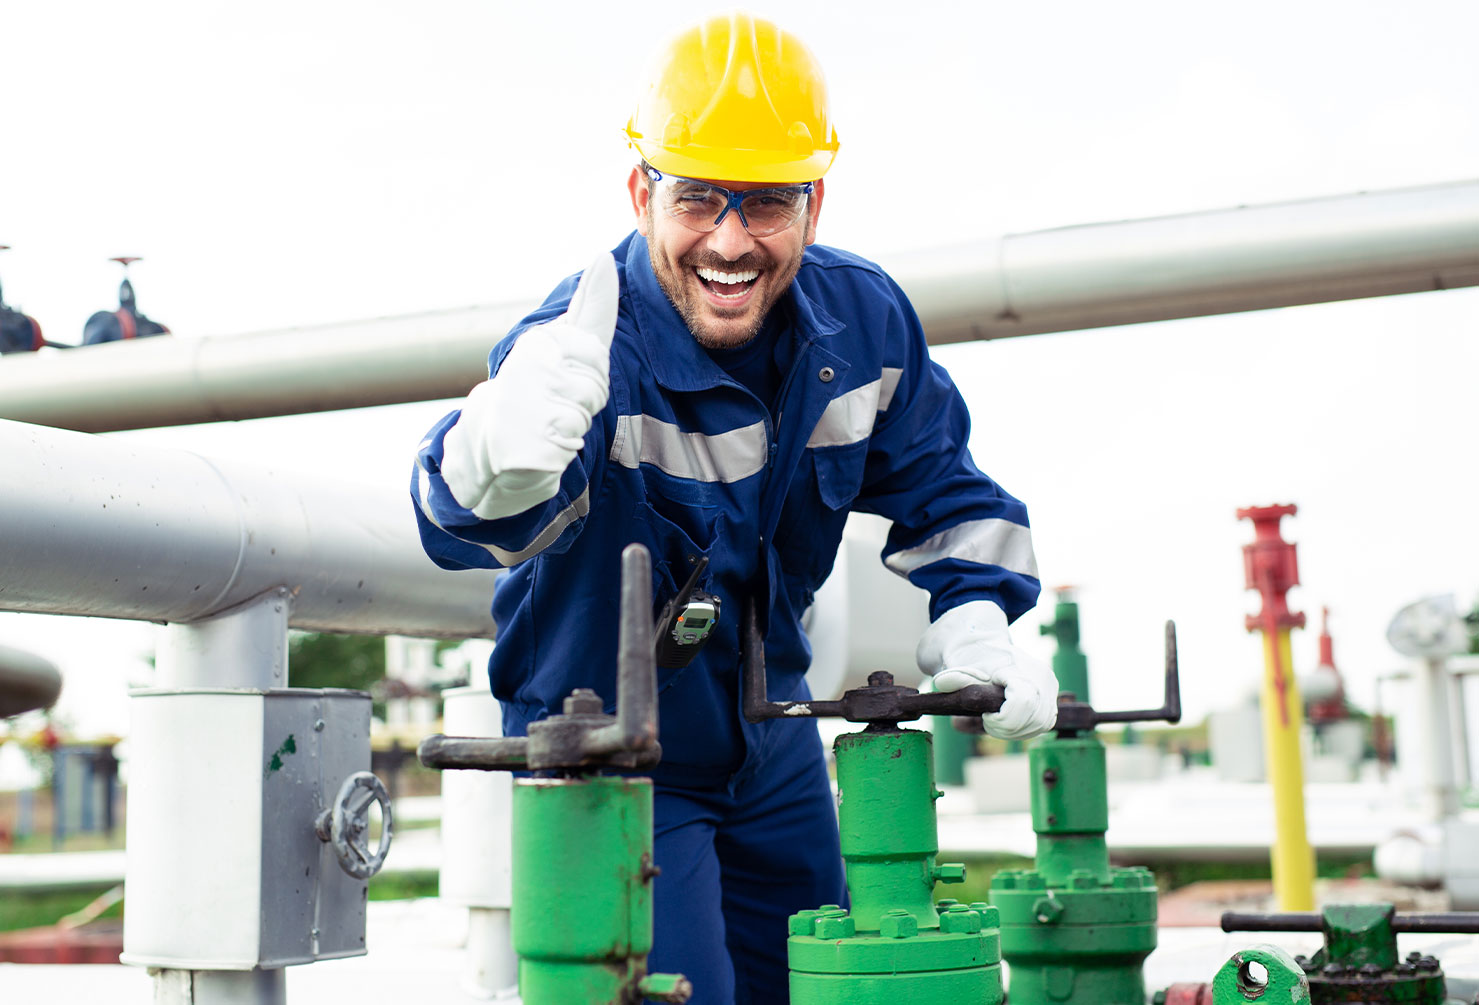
{"type": "Point", "coordinates": [690, 265]}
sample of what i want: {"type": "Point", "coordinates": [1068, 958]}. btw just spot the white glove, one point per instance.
{"type": "Point", "coordinates": [968, 645]}
{"type": "Point", "coordinates": [520, 429]}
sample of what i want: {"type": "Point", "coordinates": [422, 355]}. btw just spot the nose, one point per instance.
{"type": "Point", "coordinates": [730, 239]}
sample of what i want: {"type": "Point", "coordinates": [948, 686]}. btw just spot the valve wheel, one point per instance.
{"type": "Point", "coordinates": [346, 825]}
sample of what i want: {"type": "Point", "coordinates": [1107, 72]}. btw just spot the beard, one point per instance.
{"type": "Point", "coordinates": [712, 326]}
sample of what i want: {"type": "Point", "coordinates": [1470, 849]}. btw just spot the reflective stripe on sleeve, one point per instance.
{"type": "Point", "coordinates": [985, 542]}
{"type": "Point", "coordinates": [850, 417]}
{"type": "Point", "coordinates": [546, 537]}
{"type": "Point", "coordinates": [577, 509]}
{"type": "Point", "coordinates": [722, 457]}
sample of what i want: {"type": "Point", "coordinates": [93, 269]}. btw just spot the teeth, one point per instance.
{"type": "Point", "coordinates": [726, 277]}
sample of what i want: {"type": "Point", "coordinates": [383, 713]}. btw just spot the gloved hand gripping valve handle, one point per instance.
{"type": "Point", "coordinates": [880, 702]}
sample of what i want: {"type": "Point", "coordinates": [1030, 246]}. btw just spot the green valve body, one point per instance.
{"type": "Point", "coordinates": [894, 946]}
{"type": "Point", "coordinates": [582, 857]}
{"type": "Point", "coordinates": [1074, 929]}
{"type": "Point", "coordinates": [1070, 665]}
{"type": "Point", "coordinates": [1360, 962]}
{"type": "Point", "coordinates": [952, 749]}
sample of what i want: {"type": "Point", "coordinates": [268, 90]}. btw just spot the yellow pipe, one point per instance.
{"type": "Point", "coordinates": [1283, 720]}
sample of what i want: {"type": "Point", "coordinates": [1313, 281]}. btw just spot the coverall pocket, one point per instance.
{"type": "Point", "coordinates": [840, 473]}
{"type": "Point", "coordinates": [816, 511]}
{"type": "Point", "coordinates": [674, 551]}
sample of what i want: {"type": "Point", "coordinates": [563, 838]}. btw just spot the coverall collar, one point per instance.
{"type": "Point", "coordinates": [678, 362]}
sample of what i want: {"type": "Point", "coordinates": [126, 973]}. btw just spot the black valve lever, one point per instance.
{"type": "Point", "coordinates": [880, 702]}
{"type": "Point", "coordinates": [1076, 716]}
{"type": "Point", "coordinates": [1311, 921]}
{"type": "Point", "coordinates": [583, 738]}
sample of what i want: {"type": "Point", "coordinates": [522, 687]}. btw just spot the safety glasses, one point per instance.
{"type": "Point", "coordinates": [701, 206]}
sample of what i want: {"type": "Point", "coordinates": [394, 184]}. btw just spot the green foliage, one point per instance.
{"type": "Point", "coordinates": [356, 662]}
{"type": "Point", "coordinates": [403, 885]}
{"type": "Point", "coordinates": [34, 909]}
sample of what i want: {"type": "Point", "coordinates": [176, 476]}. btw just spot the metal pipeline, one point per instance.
{"type": "Point", "coordinates": [1370, 244]}
{"type": "Point", "coordinates": [106, 529]}
{"type": "Point", "coordinates": [27, 682]}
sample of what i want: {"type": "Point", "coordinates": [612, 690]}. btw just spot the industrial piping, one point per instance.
{"type": "Point", "coordinates": [108, 529]}
{"type": "Point", "coordinates": [1248, 258]}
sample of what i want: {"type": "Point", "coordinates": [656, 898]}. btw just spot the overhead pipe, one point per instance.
{"type": "Point", "coordinates": [27, 682]}
{"type": "Point", "coordinates": [1370, 244]}
{"type": "Point", "coordinates": [117, 530]}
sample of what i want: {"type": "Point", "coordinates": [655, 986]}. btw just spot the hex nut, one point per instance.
{"type": "Point", "coordinates": [898, 924]}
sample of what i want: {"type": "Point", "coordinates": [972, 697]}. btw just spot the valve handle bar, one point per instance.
{"type": "Point", "coordinates": [583, 738]}
{"type": "Point", "coordinates": [880, 702]}
{"type": "Point", "coordinates": [1312, 921]}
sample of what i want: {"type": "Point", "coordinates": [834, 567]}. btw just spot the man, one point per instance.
{"type": "Point", "coordinates": [723, 389]}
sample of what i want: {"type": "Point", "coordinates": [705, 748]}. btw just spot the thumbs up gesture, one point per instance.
{"type": "Point", "coordinates": [520, 429]}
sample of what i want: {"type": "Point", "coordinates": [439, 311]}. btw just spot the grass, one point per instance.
{"type": "Point", "coordinates": [27, 909]}
{"type": "Point", "coordinates": [403, 885]}
{"type": "Point", "coordinates": [38, 908]}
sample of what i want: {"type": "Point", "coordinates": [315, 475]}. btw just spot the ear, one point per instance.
{"type": "Point", "coordinates": [816, 210]}
{"type": "Point", "coordinates": [637, 187]}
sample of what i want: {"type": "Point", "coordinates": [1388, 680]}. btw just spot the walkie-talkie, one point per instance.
{"type": "Point", "coordinates": [686, 623]}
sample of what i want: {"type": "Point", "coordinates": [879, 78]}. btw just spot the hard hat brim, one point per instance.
{"type": "Point", "coordinates": [759, 166]}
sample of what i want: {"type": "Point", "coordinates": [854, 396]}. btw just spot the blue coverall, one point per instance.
{"type": "Point", "coordinates": [686, 460]}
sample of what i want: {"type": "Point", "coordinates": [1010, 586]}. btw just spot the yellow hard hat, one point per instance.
{"type": "Point", "coordinates": [735, 99]}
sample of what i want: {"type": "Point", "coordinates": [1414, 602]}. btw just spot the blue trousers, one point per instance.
{"type": "Point", "coordinates": [737, 860]}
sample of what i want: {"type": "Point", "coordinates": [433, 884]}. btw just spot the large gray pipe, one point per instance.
{"type": "Point", "coordinates": [27, 682]}
{"type": "Point", "coordinates": [1371, 244]}
{"type": "Point", "coordinates": [115, 530]}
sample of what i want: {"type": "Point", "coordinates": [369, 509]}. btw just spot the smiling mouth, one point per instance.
{"type": "Point", "coordinates": [727, 286]}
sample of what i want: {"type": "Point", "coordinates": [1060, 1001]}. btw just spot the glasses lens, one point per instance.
{"type": "Point", "coordinates": [772, 210]}
{"type": "Point", "coordinates": [697, 205]}
{"type": "Point", "coordinates": [692, 203]}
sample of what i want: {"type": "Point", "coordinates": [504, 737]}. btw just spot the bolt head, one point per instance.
{"type": "Point", "coordinates": [960, 920]}
{"type": "Point", "coordinates": [1082, 879]}
{"type": "Point", "coordinates": [833, 927]}
{"type": "Point", "coordinates": [880, 678]}
{"type": "Point", "coordinates": [1047, 910]}
{"type": "Point", "coordinates": [950, 872]}
{"type": "Point", "coordinates": [583, 701]}
{"type": "Point", "coordinates": [898, 924]}
{"type": "Point", "coordinates": [802, 922]}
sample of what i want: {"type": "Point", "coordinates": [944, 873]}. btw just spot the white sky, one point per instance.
{"type": "Point", "coordinates": [286, 163]}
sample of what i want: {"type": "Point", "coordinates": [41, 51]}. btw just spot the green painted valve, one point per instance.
{"type": "Point", "coordinates": [1359, 961]}
{"type": "Point", "coordinates": [1263, 974]}
{"type": "Point", "coordinates": [1073, 929]}
{"type": "Point", "coordinates": [1070, 665]}
{"type": "Point", "coordinates": [896, 945]}
{"type": "Point", "coordinates": [585, 841]}
{"type": "Point", "coordinates": [582, 841]}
